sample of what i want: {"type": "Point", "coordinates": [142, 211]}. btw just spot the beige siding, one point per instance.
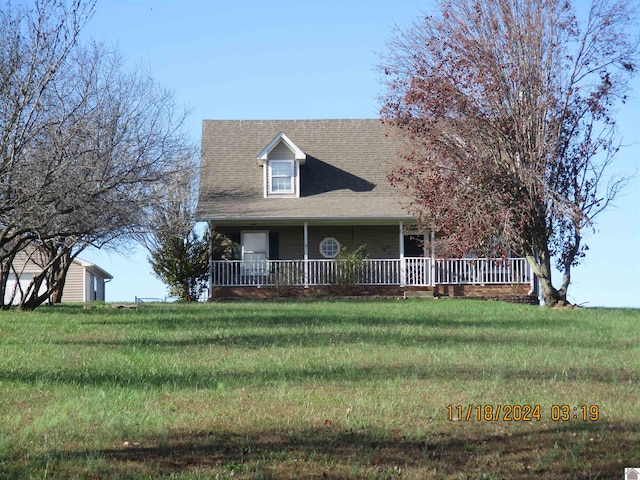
{"type": "Point", "coordinates": [291, 242]}
{"type": "Point", "coordinates": [74, 286]}
{"type": "Point", "coordinates": [382, 241]}
{"type": "Point", "coordinates": [28, 262]}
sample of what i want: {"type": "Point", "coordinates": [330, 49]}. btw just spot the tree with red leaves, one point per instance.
{"type": "Point", "coordinates": [506, 107]}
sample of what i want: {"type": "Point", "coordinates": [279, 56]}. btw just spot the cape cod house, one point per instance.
{"type": "Point", "coordinates": [292, 194]}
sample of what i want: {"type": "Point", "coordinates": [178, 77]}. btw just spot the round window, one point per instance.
{"type": "Point", "coordinates": [329, 247]}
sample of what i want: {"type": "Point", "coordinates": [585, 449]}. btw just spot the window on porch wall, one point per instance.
{"type": "Point", "coordinates": [329, 247]}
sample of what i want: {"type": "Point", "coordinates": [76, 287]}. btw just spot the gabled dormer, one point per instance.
{"type": "Point", "coordinates": [281, 160]}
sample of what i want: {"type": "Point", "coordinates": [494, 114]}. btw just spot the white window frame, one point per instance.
{"type": "Point", "coordinates": [254, 266]}
{"type": "Point", "coordinates": [324, 241]}
{"type": "Point", "coordinates": [294, 191]}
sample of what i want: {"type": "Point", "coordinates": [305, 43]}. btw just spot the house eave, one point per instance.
{"type": "Point", "coordinates": [267, 221]}
{"type": "Point", "coordinates": [93, 268]}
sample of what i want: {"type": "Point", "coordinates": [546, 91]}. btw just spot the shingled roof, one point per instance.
{"type": "Point", "coordinates": [343, 180]}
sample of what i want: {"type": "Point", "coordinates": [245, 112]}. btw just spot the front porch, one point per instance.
{"type": "Point", "coordinates": [272, 261]}
{"type": "Point", "coordinates": [435, 274]}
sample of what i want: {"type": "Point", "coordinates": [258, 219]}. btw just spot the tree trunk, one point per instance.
{"type": "Point", "coordinates": [32, 298]}
{"type": "Point", "coordinates": [6, 265]}
{"type": "Point", "coordinates": [568, 260]}
{"type": "Point", "coordinates": [541, 266]}
{"type": "Point", "coordinates": [54, 276]}
{"type": "Point", "coordinates": [550, 295]}
{"type": "Point", "coordinates": [59, 271]}
{"type": "Point", "coordinates": [186, 291]}
{"type": "Point", "coordinates": [56, 296]}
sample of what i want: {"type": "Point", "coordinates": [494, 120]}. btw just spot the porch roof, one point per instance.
{"type": "Point", "coordinates": [344, 179]}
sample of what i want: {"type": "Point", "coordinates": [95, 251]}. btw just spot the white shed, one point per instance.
{"type": "Point", "coordinates": [85, 282]}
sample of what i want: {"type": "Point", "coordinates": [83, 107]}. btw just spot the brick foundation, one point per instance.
{"type": "Point", "coordinates": [505, 293]}
{"type": "Point", "coordinates": [508, 293]}
{"type": "Point", "coordinates": [311, 292]}
{"type": "Point", "coordinates": [480, 290]}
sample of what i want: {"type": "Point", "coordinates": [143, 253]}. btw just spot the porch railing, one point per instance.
{"type": "Point", "coordinates": [484, 271]}
{"type": "Point", "coordinates": [411, 271]}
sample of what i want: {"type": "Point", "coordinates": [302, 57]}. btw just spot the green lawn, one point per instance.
{"type": "Point", "coordinates": [326, 389]}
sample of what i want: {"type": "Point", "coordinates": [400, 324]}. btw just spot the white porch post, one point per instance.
{"type": "Point", "coordinates": [403, 267]}
{"type": "Point", "coordinates": [433, 258]}
{"type": "Point", "coordinates": [210, 293]}
{"type": "Point", "coordinates": [306, 255]}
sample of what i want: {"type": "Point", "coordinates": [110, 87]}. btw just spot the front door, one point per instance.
{"type": "Point", "coordinates": [255, 251]}
{"type": "Point", "coordinates": [417, 263]}
{"type": "Point", "coordinates": [414, 245]}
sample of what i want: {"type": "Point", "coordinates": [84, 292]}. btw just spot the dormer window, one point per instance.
{"type": "Point", "coordinates": [282, 177]}
{"type": "Point", "coordinates": [281, 160]}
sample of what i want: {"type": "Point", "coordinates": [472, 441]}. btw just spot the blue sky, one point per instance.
{"type": "Point", "coordinates": [308, 59]}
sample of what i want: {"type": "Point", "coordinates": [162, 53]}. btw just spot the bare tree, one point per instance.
{"type": "Point", "coordinates": [35, 41]}
{"type": "Point", "coordinates": [506, 107]}
{"type": "Point", "coordinates": [112, 138]}
{"type": "Point", "coordinates": [83, 144]}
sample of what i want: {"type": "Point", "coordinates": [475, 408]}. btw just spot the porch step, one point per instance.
{"type": "Point", "coordinates": [419, 294]}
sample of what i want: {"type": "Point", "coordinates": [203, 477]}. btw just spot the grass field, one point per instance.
{"type": "Point", "coordinates": [330, 389]}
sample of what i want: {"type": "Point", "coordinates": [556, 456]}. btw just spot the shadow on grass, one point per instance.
{"type": "Point", "coordinates": [459, 314]}
{"type": "Point", "coordinates": [321, 336]}
{"type": "Point", "coordinates": [191, 378]}
{"type": "Point", "coordinates": [556, 451]}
